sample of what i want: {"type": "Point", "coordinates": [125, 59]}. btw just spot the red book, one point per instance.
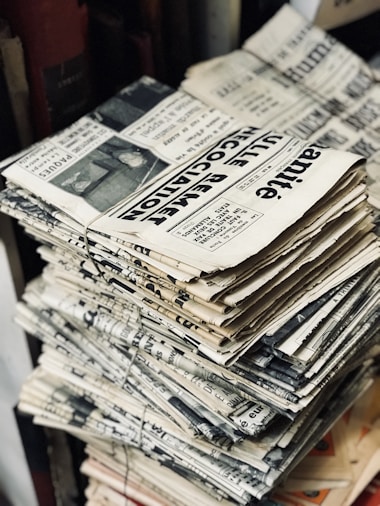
{"type": "Point", "coordinates": [54, 37]}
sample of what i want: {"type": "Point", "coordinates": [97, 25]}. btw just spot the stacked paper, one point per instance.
{"type": "Point", "coordinates": [209, 305]}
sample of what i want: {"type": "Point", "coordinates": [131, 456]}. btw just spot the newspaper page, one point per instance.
{"type": "Point", "coordinates": [249, 88]}
{"type": "Point", "coordinates": [256, 92]}
{"type": "Point", "coordinates": [326, 69]}
{"type": "Point", "coordinates": [312, 58]}
{"type": "Point", "coordinates": [205, 207]}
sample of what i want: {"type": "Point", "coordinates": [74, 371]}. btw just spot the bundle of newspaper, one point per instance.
{"type": "Point", "coordinates": [209, 288]}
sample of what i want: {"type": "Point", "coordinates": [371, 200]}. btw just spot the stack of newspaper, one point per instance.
{"type": "Point", "coordinates": [209, 305]}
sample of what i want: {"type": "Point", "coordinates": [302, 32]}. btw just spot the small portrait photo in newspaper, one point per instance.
{"type": "Point", "coordinates": [110, 173]}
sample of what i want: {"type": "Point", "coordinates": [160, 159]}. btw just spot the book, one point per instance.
{"type": "Point", "coordinates": [178, 39]}
{"type": "Point", "coordinates": [8, 134]}
{"type": "Point", "coordinates": [119, 47]}
{"type": "Point", "coordinates": [217, 24]}
{"type": "Point", "coordinates": [152, 18]}
{"type": "Point", "coordinates": [108, 43]}
{"type": "Point", "coordinates": [13, 65]}
{"type": "Point", "coordinates": [54, 37]}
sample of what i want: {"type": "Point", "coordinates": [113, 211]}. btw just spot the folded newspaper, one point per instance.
{"type": "Point", "coordinates": [295, 78]}
{"type": "Point", "coordinates": [209, 305]}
